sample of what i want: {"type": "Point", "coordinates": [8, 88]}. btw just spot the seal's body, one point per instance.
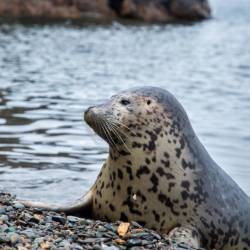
{"type": "Point", "coordinates": [159, 174]}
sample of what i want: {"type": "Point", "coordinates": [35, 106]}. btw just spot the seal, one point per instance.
{"type": "Point", "coordinates": [159, 174]}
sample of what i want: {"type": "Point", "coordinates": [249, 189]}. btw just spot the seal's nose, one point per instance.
{"type": "Point", "coordinates": [87, 113]}
{"type": "Point", "coordinates": [88, 109]}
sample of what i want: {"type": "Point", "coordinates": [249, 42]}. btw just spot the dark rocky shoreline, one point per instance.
{"type": "Point", "coordinates": [25, 228]}
{"type": "Point", "coordinates": [166, 11]}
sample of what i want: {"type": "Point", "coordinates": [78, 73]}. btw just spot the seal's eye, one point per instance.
{"type": "Point", "coordinates": [149, 102]}
{"type": "Point", "coordinates": [125, 102]}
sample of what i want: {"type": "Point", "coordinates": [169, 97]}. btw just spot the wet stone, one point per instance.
{"type": "Point", "coordinates": [134, 242]}
{"type": "Point", "coordinates": [9, 208]}
{"type": "Point", "coordinates": [13, 237]}
{"type": "Point", "coordinates": [72, 219]}
{"type": "Point", "coordinates": [59, 219]}
{"type": "Point", "coordinates": [97, 247]}
{"type": "Point", "coordinates": [10, 229]}
{"type": "Point", "coordinates": [4, 218]}
{"type": "Point", "coordinates": [29, 233]}
{"type": "Point", "coordinates": [157, 236]}
{"type": "Point", "coordinates": [110, 227]}
{"type": "Point", "coordinates": [134, 223]}
{"type": "Point", "coordinates": [111, 248]}
{"type": "Point", "coordinates": [2, 210]}
{"type": "Point", "coordinates": [3, 228]}
{"type": "Point", "coordinates": [19, 206]}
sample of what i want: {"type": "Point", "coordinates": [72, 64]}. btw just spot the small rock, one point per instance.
{"type": "Point", "coordinates": [111, 248]}
{"type": "Point", "coordinates": [157, 236]}
{"type": "Point", "coordinates": [39, 240]}
{"type": "Point", "coordinates": [9, 208]}
{"type": "Point", "coordinates": [13, 237]}
{"type": "Point", "coordinates": [110, 227]}
{"type": "Point", "coordinates": [19, 206]}
{"type": "Point", "coordinates": [134, 242]}
{"type": "Point", "coordinates": [29, 233]}
{"type": "Point", "coordinates": [72, 218]}
{"type": "Point", "coordinates": [135, 224]}
{"type": "Point", "coordinates": [3, 228]}
{"type": "Point", "coordinates": [77, 247]}
{"type": "Point", "coordinates": [4, 218]}
{"type": "Point", "coordinates": [97, 247]}
{"type": "Point", "coordinates": [4, 238]}
{"type": "Point", "coordinates": [10, 230]}
{"type": "Point", "coordinates": [48, 218]}
{"type": "Point", "coordinates": [64, 243]}
{"type": "Point", "coordinates": [59, 219]}
{"type": "Point", "coordinates": [2, 210]}
{"type": "Point", "coordinates": [22, 248]}
{"type": "Point", "coordinates": [58, 240]}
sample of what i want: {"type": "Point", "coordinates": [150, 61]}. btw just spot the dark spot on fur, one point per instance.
{"type": "Point", "coordinates": [187, 164]}
{"type": "Point", "coordinates": [186, 185]}
{"type": "Point", "coordinates": [156, 215]}
{"type": "Point", "coordinates": [167, 202]}
{"type": "Point", "coordinates": [136, 144]}
{"type": "Point", "coordinates": [142, 170]}
{"type": "Point", "coordinates": [184, 195]}
{"type": "Point", "coordinates": [112, 207]}
{"type": "Point", "coordinates": [119, 174]}
{"type": "Point", "coordinates": [155, 181]}
{"type": "Point", "coordinates": [123, 217]}
{"type": "Point", "coordinates": [129, 171]}
{"type": "Point", "coordinates": [161, 172]}
{"type": "Point", "coordinates": [178, 152]}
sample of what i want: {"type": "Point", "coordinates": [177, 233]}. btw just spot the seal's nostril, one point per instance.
{"type": "Point", "coordinates": [88, 113]}
{"type": "Point", "coordinates": [88, 109]}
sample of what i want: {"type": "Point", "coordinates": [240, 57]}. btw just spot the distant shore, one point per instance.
{"type": "Point", "coordinates": [24, 228]}
{"type": "Point", "coordinates": [165, 11]}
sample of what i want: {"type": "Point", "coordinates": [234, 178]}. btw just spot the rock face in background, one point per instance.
{"type": "Point", "coordinates": [146, 10]}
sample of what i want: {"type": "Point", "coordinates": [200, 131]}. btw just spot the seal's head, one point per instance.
{"type": "Point", "coordinates": [137, 113]}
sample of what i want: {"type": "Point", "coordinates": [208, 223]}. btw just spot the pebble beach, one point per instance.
{"type": "Point", "coordinates": [24, 228]}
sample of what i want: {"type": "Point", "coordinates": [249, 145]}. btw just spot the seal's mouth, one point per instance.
{"type": "Point", "coordinates": [104, 126]}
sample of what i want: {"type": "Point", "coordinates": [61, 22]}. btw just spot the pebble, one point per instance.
{"type": "Point", "coordinates": [59, 219]}
{"type": "Point", "coordinates": [97, 247]}
{"type": "Point", "coordinates": [72, 219]}
{"type": "Point", "coordinates": [13, 237]}
{"type": "Point", "coordinates": [19, 206]}
{"type": "Point", "coordinates": [111, 248]}
{"type": "Point", "coordinates": [4, 218]}
{"type": "Point", "coordinates": [29, 233]}
{"type": "Point", "coordinates": [9, 208]}
{"type": "Point", "coordinates": [2, 210]}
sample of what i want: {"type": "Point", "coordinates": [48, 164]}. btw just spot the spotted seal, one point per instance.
{"type": "Point", "coordinates": [159, 174]}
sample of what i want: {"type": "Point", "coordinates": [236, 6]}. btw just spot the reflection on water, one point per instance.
{"type": "Point", "coordinates": [50, 74]}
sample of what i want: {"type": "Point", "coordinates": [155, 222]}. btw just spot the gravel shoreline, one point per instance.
{"type": "Point", "coordinates": [28, 228]}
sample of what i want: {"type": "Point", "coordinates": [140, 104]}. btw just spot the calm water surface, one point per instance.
{"type": "Point", "coordinates": [49, 74]}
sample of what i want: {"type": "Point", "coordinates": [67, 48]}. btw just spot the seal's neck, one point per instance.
{"type": "Point", "coordinates": [171, 149]}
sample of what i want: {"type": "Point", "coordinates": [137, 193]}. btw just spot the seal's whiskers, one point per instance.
{"type": "Point", "coordinates": [116, 132]}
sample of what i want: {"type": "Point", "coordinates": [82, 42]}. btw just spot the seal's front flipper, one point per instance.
{"type": "Point", "coordinates": [82, 207]}
{"type": "Point", "coordinates": [188, 235]}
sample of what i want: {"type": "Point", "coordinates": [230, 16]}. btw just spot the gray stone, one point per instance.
{"type": "Point", "coordinates": [4, 217]}
{"type": "Point", "coordinates": [19, 206]}
{"type": "Point", "coordinates": [29, 233]}
{"type": "Point", "coordinates": [2, 210]}
{"type": "Point", "coordinates": [111, 248]}
{"type": "Point", "coordinates": [72, 219]}
{"type": "Point", "coordinates": [13, 237]}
